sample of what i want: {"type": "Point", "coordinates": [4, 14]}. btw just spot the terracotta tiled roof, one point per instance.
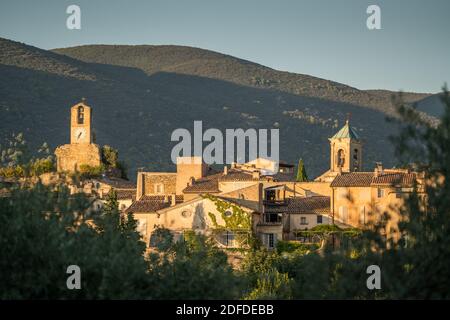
{"type": "Point", "coordinates": [281, 176]}
{"type": "Point", "coordinates": [123, 194]}
{"type": "Point", "coordinates": [178, 198]}
{"type": "Point", "coordinates": [316, 204]}
{"type": "Point", "coordinates": [153, 203]}
{"type": "Point", "coordinates": [367, 179]}
{"type": "Point", "coordinates": [146, 206]}
{"type": "Point", "coordinates": [237, 175]}
{"type": "Point", "coordinates": [394, 178]}
{"type": "Point", "coordinates": [249, 204]}
{"type": "Point", "coordinates": [118, 183]}
{"type": "Point", "coordinates": [353, 179]}
{"type": "Point", "coordinates": [207, 184]}
{"type": "Point", "coordinates": [210, 183]}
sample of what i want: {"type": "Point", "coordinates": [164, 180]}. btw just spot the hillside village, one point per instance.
{"type": "Point", "coordinates": [260, 197]}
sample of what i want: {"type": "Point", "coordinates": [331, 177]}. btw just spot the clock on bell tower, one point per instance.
{"type": "Point", "coordinates": [80, 123]}
{"type": "Point", "coordinates": [81, 150]}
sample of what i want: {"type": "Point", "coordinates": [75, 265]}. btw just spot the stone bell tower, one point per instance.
{"type": "Point", "coordinates": [80, 123]}
{"type": "Point", "coordinates": [346, 150]}
{"type": "Point", "coordinates": [81, 150]}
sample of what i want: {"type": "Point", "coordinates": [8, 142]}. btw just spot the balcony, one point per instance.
{"type": "Point", "coordinates": [271, 219]}
{"type": "Point", "coordinates": [274, 196]}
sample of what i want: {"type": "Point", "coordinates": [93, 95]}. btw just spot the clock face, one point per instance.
{"type": "Point", "coordinates": [80, 134]}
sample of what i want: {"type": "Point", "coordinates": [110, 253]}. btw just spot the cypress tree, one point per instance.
{"type": "Point", "coordinates": [301, 172]}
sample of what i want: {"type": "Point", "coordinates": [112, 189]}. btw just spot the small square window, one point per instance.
{"type": "Point", "coordinates": [159, 188]}
{"type": "Point", "coordinates": [319, 218]}
{"type": "Point", "coordinates": [380, 193]}
{"type": "Point", "coordinates": [303, 220]}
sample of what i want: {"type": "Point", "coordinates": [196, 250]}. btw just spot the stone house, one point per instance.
{"type": "Point", "coordinates": [361, 198]}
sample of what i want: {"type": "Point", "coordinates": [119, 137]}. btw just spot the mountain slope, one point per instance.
{"type": "Point", "coordinates": [205, 63]}
{"type": "Point", "coordinates": [139, 99]}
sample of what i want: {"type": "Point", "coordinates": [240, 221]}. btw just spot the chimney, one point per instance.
{"type": "Point", "coordinates": [225, 170]}
{"type": "Point", "coordinates": [191, 181]}
{"type": "Point", "coordinates": [233, 164]}
{"type": "Point", "coordinates": [260, 197]}
{"type": "Point", "coordinates": [256, 175]}
{"type": "Point", "coordinates": [378, 169]}
{"type": "Point", "coordinates": [140, 190]}
{"type": "Point", "coordinates": [166, 198]}
{"type": "Point", "coordinates": [174, 200]}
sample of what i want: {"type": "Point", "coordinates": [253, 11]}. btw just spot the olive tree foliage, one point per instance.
{"type": "Point", "coordinates": [43, 231]}
{"type": "Point", "coordinates": [16, 160]}
{"type": "Point", "coordinates": [195, 268]}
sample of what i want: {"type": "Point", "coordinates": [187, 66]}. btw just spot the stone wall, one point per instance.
{"type": "Point", "coordinates": [70, 157]}
{"type": "Point", "coordinates": [148, 180]}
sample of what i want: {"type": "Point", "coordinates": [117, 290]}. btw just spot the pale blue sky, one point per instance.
{"type": "Point", "coordinates": [327, 39]}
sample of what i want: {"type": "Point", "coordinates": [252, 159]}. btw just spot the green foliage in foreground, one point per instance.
{"type": "Point", "coordinates": [44, 231]}
{"type": "Point", "coordinates": [17, 162]}
{"type": "Point", "coordinates": [295, 246]}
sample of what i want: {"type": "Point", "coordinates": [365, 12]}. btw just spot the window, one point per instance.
{"type": "Point", "coordinates": [159, 188]}
{"type": "Point", "coordinates": [228, 213]}
{"type": "Point", "coordinates": [142, 226]}
{"type": "Point", "coordinates": [80, 115]}
{"type": "Point", "coordinates": [272, 217]}
{"type": "Point", "coordinates": [303, 220]}
{"type": "Point", "coordinates": [228, 239]}
{"type": "Point", "coordinates": [177, 236]}
{"type": "Point", "coordinates": [398, 192]}
{"type": "Point", "coordinates": [270, 195]}
{"type": "Point", "coordinates": [319, 218]}
{"type": "Point", "coordinates": [355, 154]}
{"type": "Point", "coordinates": [362, 215]}
{"type": "Point", "coordinates": [343, 213]}
{"type": "Point", "coordinates": [186, 214]}
{"type": "Point", "coordinates": [269, 240]}
{"type": "Point", "coordinates": [380, 193]}
{"type": "Point", "coordinates": [340, 158]}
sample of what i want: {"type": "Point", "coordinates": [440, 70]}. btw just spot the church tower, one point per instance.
{"type": "Point", "coordinates": [81, 150]}
{"type": "Point", "coordinates": [346, 150]}
{"type": "Point", "coordinates": [80, 123]}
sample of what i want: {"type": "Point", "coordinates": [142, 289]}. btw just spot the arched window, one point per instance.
{"type": "Point", "coordinates": [80, 115]}
{"type": "Point", "coordinates": [340, 158]}
{"type": "Point", "coordinates": [355, 160]}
